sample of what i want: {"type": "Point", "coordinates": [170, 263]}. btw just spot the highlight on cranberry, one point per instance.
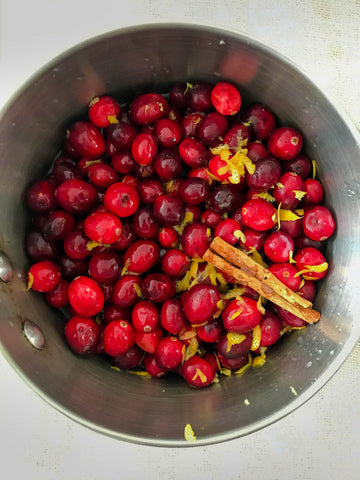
{"type": "Point", "coordinates": [131, 203]}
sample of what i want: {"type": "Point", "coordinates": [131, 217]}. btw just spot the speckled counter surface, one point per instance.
{"type": "Point", "coordinates": [321, 439]}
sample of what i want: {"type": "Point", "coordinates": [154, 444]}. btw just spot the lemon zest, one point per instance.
{"type": "Point", "coordinates": [188, 87]}
{"type": "Point", "coordinates": [140, 373]}
{"type": "Point", "coordinates": [89, 163]}
{"type": "Point", "coordinates": [112, 119]}
{"type": "Point", "coordinates": [30, 280]}
{"type": "Point", "coordinates": [280, 185]}
{"type": "Point", "coordinates": [245, 367]}
{"type": "Point", "coordinates": [322, 267]}
{"type": "Point", "coordinates": [188, 334]}
{"type": "Point", "coordinates": [191, 349]}
{"type": "Point", "coordinates": [314, 168]}
{"type": "Point", "coordinates": [259, 360]}
{"type": "Point", "coordinates": [288, 215]}
{"type": "Point", "coordinates": [255, 344]}
{"type": "Point", "coordinates": [220, 278]}
{"type": "Point", "coordinates": [260, 306]}
{"type": "Point", "coordinates": [234, 339]}
{"type": "Point", "coordinates": [240, 235]}
{"type": "Point", "coordinates": [247, 124]}
{"type": "Point", "coordinates": [98, 319]}
{"type": "Point", "coordinates": [184, 283]}
{"type": "Point", "coordinates": [286, 329]}
{"type": "Point", "coordinates": [256, 256]}
{"type": "Point", "coordinates": [234, 293]}
{"type": "Point", "coordinates": [188, 218]}
{"type": "Point", "coordinates": [246, 401]}
{"type": "Point", "coordinates": [291, 259]}
{"type": "Point", "coordinates": [302, 283]}
{"type": "Point", "coordinates": [125, 270]}
{"type": "Point", "coordinates": [201, 375]}
{"type": "Point", "coordinates": [299, 194]}
{"type": "Point", "coordinates": [265, 196]}
{"type": "Point", "coordinates": [299, 211]}
{"type": "Point", "coordinates": [226, 371]}
{"type": "Point", "coordinates": [116, 368]}
{"type": "Point", "coordinates": [93, 101]}
{"type": "Point", "coordinates": [138, 290]}
{"type": "Point", "coordinates": [236, 164]}
{"type": "Point", "coordinates": [235, 315]}
{"type": "Point", "coordinates": [92, 244]}
{"type": "Point", "coordinates": [293, 390]}
{"type": "Point", "coordinates": [194, 265]}
{"type": "Point", "coordinates": [212, 176]}
{"type": "Point", "coordinates": [189, 433]}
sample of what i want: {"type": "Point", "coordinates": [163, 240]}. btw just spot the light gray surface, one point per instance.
{"type": "Point", "coordinates": [320, 439]}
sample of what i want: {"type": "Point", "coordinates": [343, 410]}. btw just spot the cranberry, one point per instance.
{"type": "Point", "coordinates": [123, 162]}
{"type": "Point", "coordinates": [168, 164]}
{"type": "Point", "coordinates": [195, 240]}
{"type": "Point", "coordinates": [306, 259]}
{"type": "Point", "coordinates": [266, 175]}
{"type": "Point", "coordinates": [86, 139]}
{"type": "Point", "coordinates": [130, 359]}
{"type": "Point", "coordinates": [85, 296]}
{"type": "Point", "coordinates": [126, 290]}
{"type": "Point", "coordinates": [103, 227]}
{"type": "Point", "coordinates": [190, 122]}
{"type": "Point", "coordinates": [43, 276]}
{"type": "Point", "coordinates": [201, 303]}
{"type": "Point", "coordinates": [200, 97]}
{"type": "Point", "coordinates": [287, 274]}
{"type": "Point", "coordinates": [57, 225]}
{"type": "Point", "coordinates": [41, 197]}
{"type": "Point", "coordinates": [211, 218]}
{"type": "Point", "coordinates": [231, 350]}
{"type": "Point", "coordinates": [121, 199]}
{"type": "Point", "coordinates": [291, 227]}
{"type": "Point", "coordinates": [289, 318]}
{"type": "Point", "coordinates": [211, 129]}
{"type": "Point", "coordinates": [198, 372]}
{"type": "Point", "coordinates": [76, 244]}
{"type": "Point", "coordinates": [152, 367]}
{"type": "Point", "coordinates": [145, 316]}
{"type": "Point", "coordinates": [262, 121]}
{"type": "Point", "coordinates": [212, 331]}
{"type": "Point", "coordinates": [237, 136]}
{"type": "Point", "coordinates": [302, 241]}
{"type": "Point", "coordinates": [76, 196]}
{"type": "Point", "coordinates": [259, 214]}
{"type": "Point", "coordinates": [167, 132]}
{"type": "Point", "coordinates": [105, 267]}
{"type": "Point", "coordinates": [233, 363]}
{"type": "Point", "coordinates": [193, 152]}
{"type": "Point", "coordinates": [194, 190]}
{"type": "Point", "coordinates": [169, 353]}
{"type": "Point", "coordinates": [278, 246]}
{"type": "Point", "coordinates": [168, 237]}
{"type": "Point", "coordinates": [144, 148]}
{"type": "Point", "coordinates": [175, 262]}
{"type": "Point", "coordinates": [179, 95]}
{"type": "Point", "coordinates": [256, 151]}
{"type": "Point", "coordinates": [225, 198]}
{"type": "Point", "coordinates": [300, 165]}
{"type": "Point", "coordinates": [103, 111]}
{"type": "Point", "coordinates": [58, 296]}
{"type": "Point", "coordinates": [71, 267]}
{"type": "Point", "coordinates": [270, 326]}
{"type": "Point", "coordinates": [200, 173]}
{"type": "Point", "coordinates": [314, 192]}
{"type": "Point", "coordinates": [285, 143]}
{"type": "Point", "coordinates": [289, 190]}
{"type": "Point", "coordinates": [226, 98]}
{"type": "Point", "coordinates": [141, 256]}
{"type": "Point", "coordinates": [227, 229]}
{"type": "Point", "coordinates": [254, 239]}
{"type": "Point", "coordinates": [148, 190]}
{"type": "Point", "coordinates": [145, 224]}
{"type": "Point", "coordinates": [121, 135]}
{"type": "Point", "coordinates": [148, 341]}
{"type": "Point", "coordinates": [82, 334]}
{"type": "Point", "coordinates": [318, 223]}
{"type": "Point", "coordinates": [118, 337]}
{"type": "Point", "coordinates": [148, 108]}
{"type": "Point", "coordinates": [169, 209]}
{"type": "Point", "coordinates": [158, 287]}
{"type": "Point", "coordinates": [241, 316]}
{"type": "Point", "coordinates": [127, 237]}
{"type": "Point", "coordinates": [102, 176]}
{"type": "Point", "coordinates": [66, 171]}
{"type": "Point", "coordinates": [172, 316]}
{"type": "Point", "coordinates": [40, 249]}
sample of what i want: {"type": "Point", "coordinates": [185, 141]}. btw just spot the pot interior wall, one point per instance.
{"type": "Point", "coordinates": [153, 411]}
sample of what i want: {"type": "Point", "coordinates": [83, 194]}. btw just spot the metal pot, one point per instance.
{"type": "Point", "coordinates": [152, 411]}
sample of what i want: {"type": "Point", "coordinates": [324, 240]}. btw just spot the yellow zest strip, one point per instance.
{"type": "Point", "coordinates": [234, 293]}
{"type": "Point", "coordinates": [91, 245]}
{"type": "Point", "coordinates": [194, 268]}
{"type": "Point", "coordinates": [259, 360]}
{"type": "Point", "coordinates": [265, 196]}
{"type": "Point", "coordinates": [280, 185]}
{"type": "Point", "coordinates": [255, 255]}
{"type": "Point", "coordinates": [191, 349]}
{"type": "Point", "coordinates": [245, 367]}
{"type": "Point", "coordinates": [222, 370]}
{"type": "Point", "coordinates": [93, 101]}
{"type": "Point", "coordinates": [220, 305]}
{"type": "Point", "coordinates": [299, 194]}
{"type": "Point", "coordinates": [201, 375]}
{"type": "Point", "coordinates": [240, 235]}
{"type": "Point", "coordinates": [220, 278]}
{"type": "Point", "coordinates": [188, 334]}
{"type": "Point", "coordinates": [115, 368]}
{"type": "Point", "coordinates": [184, 283]}
{"type": "Point", "coordinates": [256, 338]}
{"type": "Point", "coordinates": [235, 315]}
{"type": "Point", "coordinates": [188, 218]}
{"type": "Point", "coordinates": [234, 339]}
{"type": "Point", "coordinates": [189, 433]}
{"type": "Point", "coordinates": [286, 329]}
{"type": "Point", "coordinates": [288, 215]}
{"type": "Point", "coordinates": [98, 319]}
{"type": "Point", "coordinates": [30, 280]}
{"type": "Point", "coordinates": [140, 373]}
{"type": "Point", "coordinates": [112, 119]}
{"type": "Point", "coordinates": [236, 164]}
{"type": "Point", "coordinates": [260, 305]}
{"type": "Point", "coordinates": [125, 270]}
{"type": "Point", "coordinates": [313, 268]}
{"type": "Point", "coordinates": [138, 290]}
{"type": "Point", "coordinates": [299, 211]}
{"type": "Point", "coordinates": [314, 168]}
{"type": "Point", "coordinates": [212, 176]}
{"type": "Point", "coordinates": [89, 163]}
{"type": "Point", "coordinates": [291, 259]}
{"type": "Point", "coordinates": [188, 86]}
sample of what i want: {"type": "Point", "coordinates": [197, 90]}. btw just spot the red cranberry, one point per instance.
{"type": "Point", "coordinates": [158, 287]}
{"type": "Point", "coordinates": [318, 223]}
{"type": "Point", "coordinates": [233, 351]}
{"type": "Point", "coordinates": [211, 218]}
{"type": "Point", "coordinates": [103, 227]}
{"type": "Point", "coordinates": [41, 197]}
{"type": "Point", "coordinates": [148, 190]}
{"type": "Point", "coordinates": [287, 274]}
{"type": "Point", "coordinates": [200, 97]}
{"type": "Point", "coordinates": [102, 176]}
{"type": "Point", "coordinates": [201, 303]}
{"type": "Point", "coordinates": [237, 136]}
{"type": "Point", "coordinates": [308, 290]}
{"type": "Point", "coordinates": [226, 230]}
{"type": "Point", "coordinates": [71, 267]}
{"type": "Point", "coordinates": [148, 341]}
{"type": "Point", "coordinates": [212, 331]}
{"type": "Point", "coordinates": [211, 129]}
{"type": "Point", "coordinates": [85, 296]}
{"type": "Point", "coordinates": [254, 239]}
{"type": "Point", "coordinates": [193, 152]}
{"type": "Point", "coordinates": [144, 223]}
{"type": "Point", "coordinates": [82, 334]}
{"type": "Point", "coordinates": [270, 326]}
{"type": "Point", "coordinates": [152, 367]}
{"type": "Point", "coordinates": [278, 246]}
{"type": "Point", "coordinates": [141, 256]}
{"type": "Point", "coordinates": [233, 363]}
{"type": "Point", "coordinates": [145, 316]}
{"type": "Point", "coordinates": [226, 98]}
{"type": "Point", "coordinates": [285, 143]}
{"type": "Point", "coordinates": [76, 244]}
{"type": "Point", "coordinates": [291, 227]}
{"type": "Point", "coordinates": [148, 108]}
{"type": "Point", "coordinates": [225, 198]}
{"type": "Point", "coordinates": [287, 190]}
{"type": "Point", "coordinates": [167, 132]}
{"type": "Point", "coordinates": [126, 290]}
{"type": "Point", "coordinates": [127, 237]}
{"type": "Point", "coordinates": [121, 135]}
{"type": "Point", "coordinates": [144, 148]}
{"type": "Point", "coordinates": [58, 296]}
{"type": "Point", "coordinates": [103, 111]}
{"type": "Point", "coordinates": [108, 290]}
{"type": "Point", "coordinates": [259, 214]}
{"type": "Point", "coordinates": [190, 122]}
{"type": "Point", "coordinates": [314, 192]}
{"type": "Point", "coordinates": [105, 267]}
{"type": "Point", "coordinates": [40, 249]}
{"type": "Point", "coordinates": [86, 139]}
{"type": "Point", "coordinates": [300, 165]}
{"type": "Point", "coordinates": [172, 316]}
{"type": "Point", "coordinates": [168, 237]}
{"type": "Point", "coordinates": [241, 316]}
{"type": "Point", "coordinates": [168, 164]}
{"type": "Point", "coordinates": [194, 190]}
{"type": "Point", "coordinates": [302, 241]}
{"type": "Point", "coordinates": [266, 175]}
{"type": "Point", "coordinates": [118, 337]}
{"type": "Point", "coordinates": [43, 276]}
{"type": "Point", "coordinates": [76, 196]}
{"type": "Point", "coordinates": [262, 121]}
{"type": "Point", "coordinates": [169, 353]}
{"type": "Point", "coordinates": [121, 199]}
{"type": "Point", "coordinates": [130, 359]}
{"type": "Point", "coordinates": [123, 162]}
{"type": "Point", "coordinates": [169, 209]}
{"type": "Point", "coordinates": [310, 257]}
{"type": "Point", "coordinates": [195, 240]}
{"type": "Point", "coordinates": [198, 372]}
{"type": "Point", "coordinates": [175, 262]}
{"type": "Point", "coordinates": [289, 318]}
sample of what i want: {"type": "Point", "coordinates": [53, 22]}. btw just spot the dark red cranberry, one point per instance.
{"type": "Point", "coordinates": [58, 296]}
{"type": "Point", "coordinates": [201, 303]}
{"type": "Point", "coordinates": [82, 335]}
{"type": "Point", "coordinates": [76, 196]}
{"type": "Point", "coordinates": [291, 227]}
{"type": "Point", "coordinates": [167, 132]}
{"type": "Point", "coordinates": [225, 198]}
{"type": "Point", "coordinates": [130, 359]}
{"type": "Point", "coordinates": [105, 267]}
{"type": "Point", "coordinates": [300, 165]}
{"type": "Point", "coordinates": [118, 337]}
{"type": "Point", "coordinates": [198, 372]}
{"type": "Point", "coordinates": [144, 223]}
{"type": "Point", "coordinates": [143, 172]}
{"type": "Point", "coordinates": [169, 209]}
{"type": "Point", "coordinates": [127, 237]}
{"type": "Point", "coordinates": [175, 262]}
{"type": "Point", "coordinates": [121, 199]}
{"type": "Point", "coordinates": [168, 164]}
{"type": "Point", "coordinates": [72, 268]}
{"type": "Point", "coordinates": [262, 121]}
{"type": "Point", "coordinates": [308, 290]}
{"type": "Point", "coordinates": [148, 341]}
{"type": "Point", "coordinates": [123, 162]}
{"type": "Point", "coordinates": [195, 240]}
{"type": "Point", "coordinates": [108, 290]}
{"type": "Point", "coordinates": [289, 318]}
{"type": "Point", "coordinates": [194, 191]}
{"type": "Point", "coordinates": [200, 97]}
{"type": "Point", "coordinates": [231, 350]}
{"type": "Point", "coordinates": [85, 296]}
{"type": "Point", "coordinates": [179, 95]}
{"type": "Point", "coordinates": [289, 190]}
{"type": "Point", "coordinates": [152, 367]}
{"type": "Point", "coordinates": [254, 239]}
{"type": "Point", "coordinates": [102, 176]}
{"type": "Point", "coordinates": [314, 192]}
{"type": "Point", "coordinates": [86, 139]}
{"type": "Point", "coordinates": [190, 122]}
{"type": "Point", "coordinates": [43, 276]}
{"type": "Point", "coordinates": [168, 237]}
{"type": "Point", "coordinates": [103, 227]}
{"type": "Point", "coordinates": [148, 108]}
{"type": "Point", "coordinates": [259, 214]}
{"type": "Point", "coordinates": [57, 225]}
{"type": "Point", "coordinates": [41, 197]}
{"type": "Point", "coordinates": [256, 151]}
{"type": "Point", "coordinates": [148, 190]}
{"type": "Point", "coordinates": [241, 316]}
{"type": "Point", "coordinates": [158, 287]}
{"type": "Point", "coordinates": [40, 249]}
{"type": "Point", "coordinates": [172, 316]}
{"type": "Point", "coordinates": [278, 246]}
{"type": "Point", "coordinates": [66, 171]}
{"type": "Point", "coordinates": [237, 136]}
{"type": "Point", "coordinates": [212, 331]}
{"type": "Point", "coordinates": [141, 256]}
{"type": "Point", "coordinates": [302, 241]}
{"type": "Point", "coordinates": [121, 135]}
{"type": "Point", "coordinates": [287, 274]}
{"type": "Point", "coordinates": [193, 152]}
{"type": "Point", "coordinates": [266, 175]}
{"type": "Point", "coordinates": [211, 128]}
{"type": "Point", "coordinates": [115, 312]}
{"type": "Point", "coordinates": [318, 223]}
{"type": "Point", "coordinates": [145, 316]}
{"type": "Point", "coordinates": [233, 363]}
{"type": "Point", "coordinates": [285, 143]}
{"type": "Point", "coordinates": [76, 244]}
{"type": "Point", "coordinates": [103, 111]}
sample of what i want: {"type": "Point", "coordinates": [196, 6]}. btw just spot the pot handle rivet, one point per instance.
{"type": "Point", "coordinates": [6, 269]}
{"type": "Point", "coordinates": [34, 334]}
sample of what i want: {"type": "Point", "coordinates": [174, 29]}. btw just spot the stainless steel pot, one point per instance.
{"type": "Point", "coordinates": [154, 411]}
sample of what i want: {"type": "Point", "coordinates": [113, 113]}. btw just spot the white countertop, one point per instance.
{"type": "Point", "coordinates": [321, 439]}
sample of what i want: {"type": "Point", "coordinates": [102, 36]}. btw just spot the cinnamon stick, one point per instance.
{"type": "Point", "coordinates": [246, 271]}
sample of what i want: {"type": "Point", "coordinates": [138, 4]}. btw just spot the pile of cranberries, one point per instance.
{"type": "Point", "coordinates": [131, 203]}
